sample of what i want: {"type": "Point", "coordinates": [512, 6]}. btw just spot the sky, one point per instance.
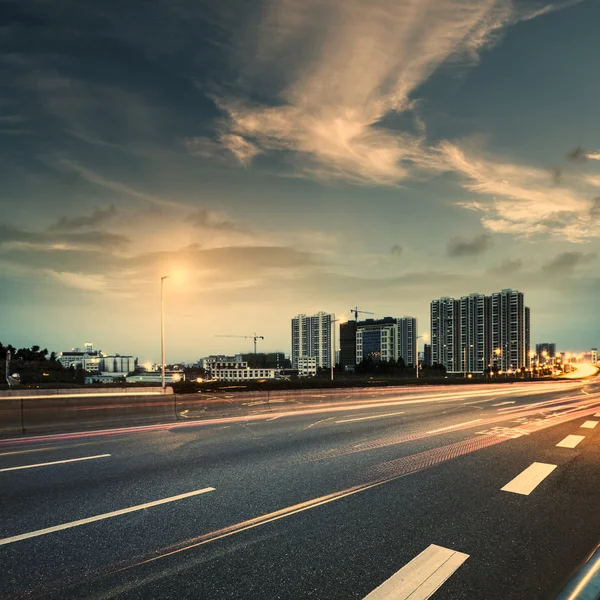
{"type": "Point", "coordinates": [278, 157]}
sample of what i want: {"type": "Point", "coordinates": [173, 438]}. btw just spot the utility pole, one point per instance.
{"type": "Point", "coordinates": [8, 368]}
{"type": "Point", "coordinates": [162, 334]}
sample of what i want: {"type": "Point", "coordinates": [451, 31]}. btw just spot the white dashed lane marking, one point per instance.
{"type": "Point", "coordinates": [529, 479]}
{"type": "Point", "coordinates": [421, 577]}
{"type": "Point", "coordinates": [590, 424]}
{"type": "Point", "coordinates": [570, 441]}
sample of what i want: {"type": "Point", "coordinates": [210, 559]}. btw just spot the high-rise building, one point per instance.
{"type": "Point", "coordinates": [311, 336]}
{"type": "Point", "coordinates": [407, 340]}
{"type": "Point", "coordinates": [445, 342]}
{"type": "Point", "coordinates": [477, 332]}
{"type": "Point", "coordinates": [348, 344]}
{"type": "Point", "coordinates": [548, 347]}
{"type": "Point", "coordinates": [594, 355]}
{"type": "Point", "coordinates": [387, 339]}
{"type": "Point", "coordinates": [426, 355]}
{"type": "Point", "coordinates": [510, 330]}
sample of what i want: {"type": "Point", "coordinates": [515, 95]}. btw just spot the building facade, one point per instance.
{"type": "Point", "coordinates": [445, 329]}
{"type": "Point", "coordinates": [348, 344]}
{"type": "Point", "coordinates": [387, 339]}
{"type": "Point", "coordinates": [307, 366]}
{"type": "Point", "coordinates": [548, 347]}
{"type": "Point", "coordinates": [95, 361]}
{"type": "Point", "coordinates": [510, 330]}
{"type": "Point", "coordinates": [479, 332]}
{"type": "Point", "coordinates": [246, 374]}
{"type": "Point", "coordinates": [311, 336]}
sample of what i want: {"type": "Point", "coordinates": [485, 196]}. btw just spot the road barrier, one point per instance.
{"type": "Point", "coordinates": [11, 417]}
{"type": "Point", "coordinates": [43, 414]}
{"type": "Point", "coordinates": [34, 415]}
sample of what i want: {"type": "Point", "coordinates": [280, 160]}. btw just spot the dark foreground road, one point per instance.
{"type": "Point", "coordinates": [478, 492]}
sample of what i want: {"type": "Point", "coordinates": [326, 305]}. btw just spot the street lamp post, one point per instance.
{"type": "Point", "coordinates": [162, 333]}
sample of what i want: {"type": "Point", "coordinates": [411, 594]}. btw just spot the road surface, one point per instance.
{"type": "Point", "coordinates": [477, 492]}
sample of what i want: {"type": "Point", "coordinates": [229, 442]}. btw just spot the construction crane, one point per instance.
{"type": "Point", "coordinates": [355, 311]}
{"type": "Point", "coordinates": [246, 337]}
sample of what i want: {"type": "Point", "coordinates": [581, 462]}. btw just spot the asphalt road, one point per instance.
{"type": "Point", "coordinates": [327, 502]}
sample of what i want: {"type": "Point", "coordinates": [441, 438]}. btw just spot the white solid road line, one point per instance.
{"type": "Point", "coordinates": [529, 479]}
{"type": "Point", "coordinates": [372, 417]}
{"type": "Point", "coordinates": [454, 426]}
{"type": "Point", "coordinates": [570, 441]}
{"type": "Point", "coordinates": [421, 577]}
{"type": "Point", "coordinates": [116, 513]}
{"type": "Point", "coordinates": [590, 424]}
{"type": "Point", "coordinates": [55, 462]}
{"type": "Point", "coordinates": [503, 403]}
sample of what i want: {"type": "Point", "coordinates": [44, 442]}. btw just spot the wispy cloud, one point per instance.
{"type": "Point", "coordinates": [208, 220]}
{"type": "Point", "coordinates": [92, 176]}
{"type": "Point", "coordinates": [396, 250]}
{"type": "Point", "coordinates": [90, 240]}
{"type": "Point", "coordinates": [81, 281]}
{"type": "Point", "coordinates": [346, 66]}
{"type": "Point", "coordinates": [99, 217]}
{"type": "Point", "coordinates": [523, 200]}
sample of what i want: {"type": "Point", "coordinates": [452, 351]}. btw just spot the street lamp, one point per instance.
{"type": "Point", "coordinates": [162, 333]}
{"type": "Point", "coordinates": [465, 359]}
{"type": "Point", "coordinates": [498, 353]}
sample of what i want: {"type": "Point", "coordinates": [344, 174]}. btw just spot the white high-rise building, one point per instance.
{"type": "Point", "coordinates": [311, 336]}
{"type": "Point", "coordinates": [444, 334]}
{"type": "Point", "coordinates": [477, 332]}
{"type": "Point", "coordinates": [510, 330]}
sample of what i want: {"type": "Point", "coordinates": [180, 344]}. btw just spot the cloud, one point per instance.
{"type": "Point", "coordinates": [98, 217]}
{"type": "Point", "coordinates": [396, 249]}
{"type": "Point", "coordinates": [579, 154]}
{"type": "Point", "coordinates": [340, 68]}
{"type": "Point", "coordinates": [116, 186]}
{"type": "Point", "coordinates": [595, 209]}
{"type": "Point", "coordinates": [205, 219]}
{"type": "Point", "coordinates": [507, 267]}
{"type": "Point", "coordinates": [566, 262]}
{"type": "Point", "coordinates": [90, 240]}
{"type": "Point", "coordinates": [81, 281]}
{"type": "Point", "coordinates": [459, 247]}
{"type": "Point", "coordinates": [522, 200]}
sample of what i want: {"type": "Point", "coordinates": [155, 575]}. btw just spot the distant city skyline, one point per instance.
{"type": "Point", "coordinates": [280, 157]}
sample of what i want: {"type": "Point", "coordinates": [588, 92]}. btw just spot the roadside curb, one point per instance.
{"type": "Point", "coordinates": [585, 583]}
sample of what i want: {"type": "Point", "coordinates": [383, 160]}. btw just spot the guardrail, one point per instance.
{"type": "Point", "coordinates": [30, 415]}
{"type": "Point", "coordinates": [80, 390]}
{"type": "Point", "coordinates": [585, 584]}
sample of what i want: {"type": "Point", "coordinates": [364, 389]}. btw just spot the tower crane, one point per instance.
{"type": "Point", "coordinates": [356, 312]}
{"type": "Point", "coordinates": [246, 337]}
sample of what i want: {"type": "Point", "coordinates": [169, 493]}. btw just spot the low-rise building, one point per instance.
{"type": "Point", "coordinates": [215, 363]}
{"type": "Point", "coordinates": [307, 366]}
{"type": "Point", "coordinates": [156, 377]}
{"type": "Point", "coordinates": [244, 374]}
{"type": "Point", "coordinates": [96, 361]}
